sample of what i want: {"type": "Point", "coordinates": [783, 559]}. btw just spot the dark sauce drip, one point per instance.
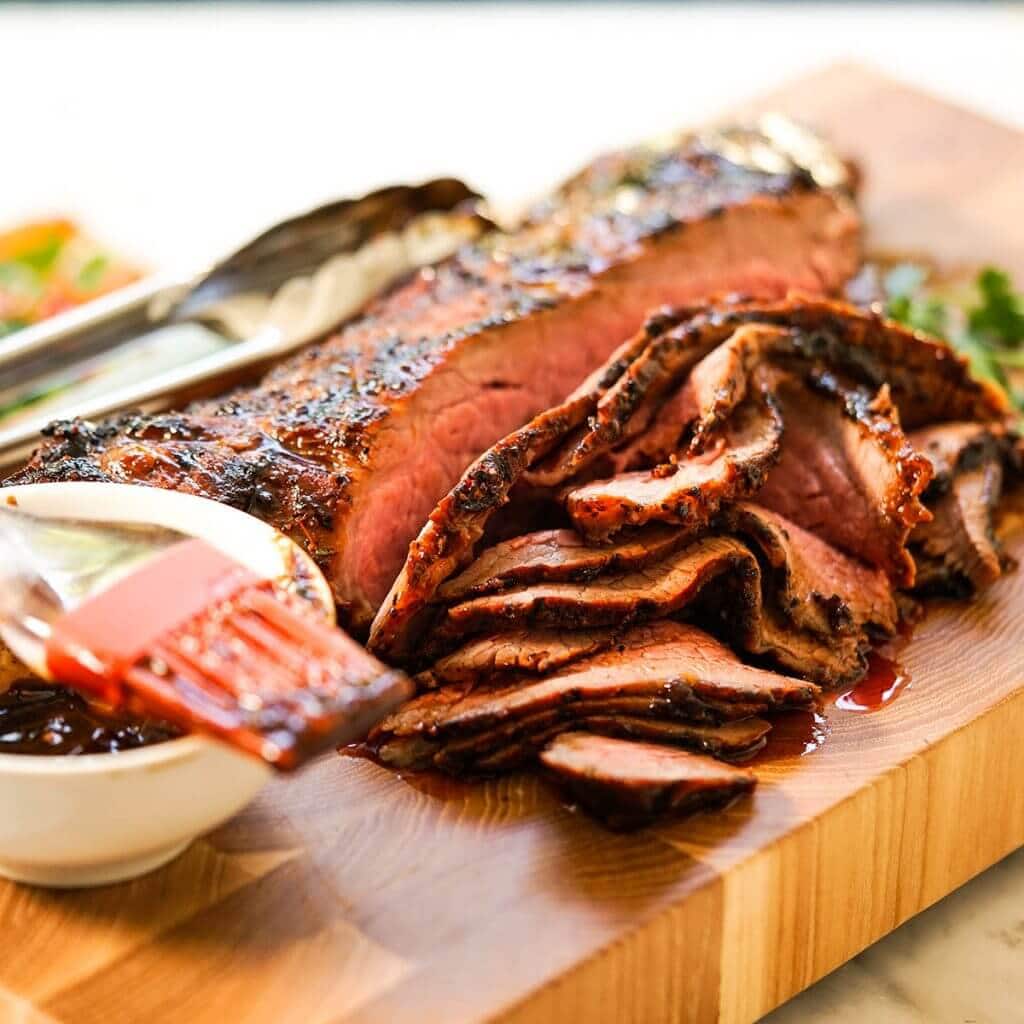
{"type": "Point", "coordinates": [794, 734]}
{"type": "Point", "coordinates": [883, 682]}
{"type": "Point", "coordinates": [42, 719]}
{"type": "Point", "coordinates": [799, 733]}
{"type": "Point", "coordinates": [885, 678]}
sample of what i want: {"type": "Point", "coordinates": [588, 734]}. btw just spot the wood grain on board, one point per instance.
{"type": "Point", "coordinates": [348, 895]}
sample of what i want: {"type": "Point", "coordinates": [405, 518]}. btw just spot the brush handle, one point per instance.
{"type": "Point", "coordinates": [28, 604]}
{"type": "Point", "coordinates": [18, 574]}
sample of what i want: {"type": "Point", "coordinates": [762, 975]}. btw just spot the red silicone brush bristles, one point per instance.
{"type": "Point", "coordinates": [196, 639]}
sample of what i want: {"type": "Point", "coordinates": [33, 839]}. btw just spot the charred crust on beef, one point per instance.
{"type": "Point", "coordinates": [553, 645]}
{"type": "Point", "coordinates": [560, 291]}
{"type": "Point", "coordinates": [690, 491]}
{"type": "Point", "coordinates": [801, 338]}
{"type": "Point", "coordinates": [817, 587]}
{"type": "Point", "coordinates": [928, 380]}
{"type": "Point", "coordinates": [957, 552]}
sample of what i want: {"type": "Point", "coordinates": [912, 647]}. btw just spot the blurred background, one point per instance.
{"type": "Point", "coordinates": [176, 131]}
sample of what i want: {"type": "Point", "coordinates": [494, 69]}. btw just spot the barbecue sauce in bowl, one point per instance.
{"type": "Point", "coordinates": [39, 718]}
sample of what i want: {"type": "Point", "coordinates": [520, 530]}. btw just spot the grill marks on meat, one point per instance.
{"type": "Point", "coordinates": [927, 380]}
{"type": "Point", "coordinates": [234, 462]}
{"type": "Point", "coordinates": [957, 552]}
{"type": "Point", "coordinates": [446, 541]}
{"type": "Point", "coordinates": [654, 591]}
{"type": "Point", "coordinates": [354, 439]}
{"type": "Point", "coordinates": [847, 471]}
{"type": "Point", "coordinates": [678, 340]}
{"type": "Point", "coordinates": [457, 524]}
{"type": "Point", "coordinates": [555, 555]}
{"type": "Point", "coordinates": [818, 587]}
{"type": "Point", "coordinates": [960, 539]}
{"type": "Point", "coordinates": [690, 490]}
{"type": "Point", "coordinates": [522, 650]}
{"type": "Point", "coordinates": [666, 659]}
{"type": "Point", "coordinates": [628, 785]}
{"type": "Point", "coordinates": [831, 661]}
{"type": "Point", "coordinates": [520, 624]}
{"type": "Point", "coordinates": [750, 614]}
{"type": "Point", "coordinates": [801, 602]}
{"type": "Point", "coordinates": [513, 745]}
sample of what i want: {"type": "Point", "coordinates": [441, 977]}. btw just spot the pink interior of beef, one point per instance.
{"type": "Point", "coordinates": [828, 479]}
{"type": "Point", "coordinates": [501, 378]}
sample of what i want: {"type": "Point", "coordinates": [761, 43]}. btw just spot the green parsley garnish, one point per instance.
{"type": "Point", "coordinates": [987, 329]}
{"type": "Point", "coordinates": [903, 286]}
{"type": "Point", "coordinates": [1000, 317]}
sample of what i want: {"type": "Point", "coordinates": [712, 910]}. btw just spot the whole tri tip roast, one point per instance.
{"type": "Point", "coordinates": [741, 470]}
{"type": "Point", "coordinates": [348, 445]}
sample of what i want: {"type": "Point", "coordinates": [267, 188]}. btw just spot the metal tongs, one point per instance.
{"type": "Point", "coordinates": [287, 287]}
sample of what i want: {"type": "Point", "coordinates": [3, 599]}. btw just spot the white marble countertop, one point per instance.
{"type": "Point", "coordinates": [175, 133]}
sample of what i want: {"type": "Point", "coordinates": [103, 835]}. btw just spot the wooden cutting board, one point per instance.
{"type": "Point", "coordinates": [347, 895]}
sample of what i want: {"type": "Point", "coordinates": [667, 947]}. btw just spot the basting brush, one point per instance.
{"type": "Point", "coordinates": [152, 622]}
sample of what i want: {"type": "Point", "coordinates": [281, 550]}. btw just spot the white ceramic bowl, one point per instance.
{"type": "Point", "coordinates": [91, 819]}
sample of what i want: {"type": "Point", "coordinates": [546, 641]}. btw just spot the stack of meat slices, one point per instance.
{"type": "Point", "coordinates": [737, 475]}
{"type": "Point", "coordinates": [663, 680]}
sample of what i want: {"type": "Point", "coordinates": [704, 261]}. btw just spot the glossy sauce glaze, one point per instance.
{"type": "Point", "coordinates": [799, 733]}
{"type": "Point", "coordinates": [38, 718]}
{"type": "Point", "coordinates": [794, 734]}
{"type": "Point", "coordinates": [883, 682]}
